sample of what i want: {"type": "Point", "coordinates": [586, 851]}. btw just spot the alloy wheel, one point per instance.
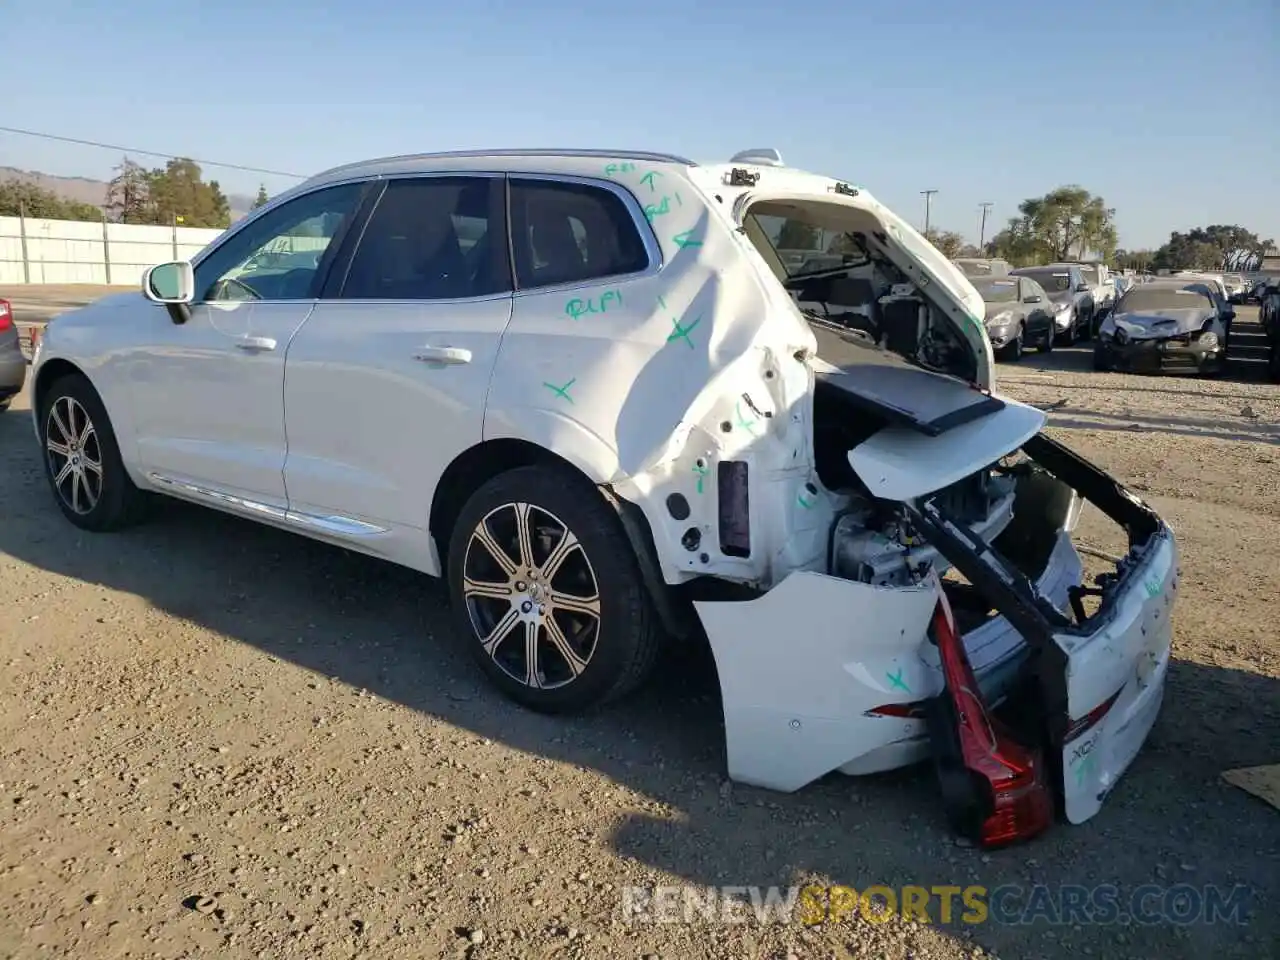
{"type": "Point", "coordinates": [531, 595]}
{"type": "Point", "coordinates": [74, 455]}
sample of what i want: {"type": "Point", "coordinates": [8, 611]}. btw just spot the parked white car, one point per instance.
{"type": "Point", "coordinates": [578, 385]}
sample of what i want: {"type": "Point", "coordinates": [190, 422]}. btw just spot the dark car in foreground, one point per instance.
{"type": "Point", "coordinates": [13, 365]}
{"type": "Point", "coordinates": [1269, 317]}
{"type": "Point", "coordinates": [1019, 312]}
{"type": "Point", "coordinates": [1163, 327]}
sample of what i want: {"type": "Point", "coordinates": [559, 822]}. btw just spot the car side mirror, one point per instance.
{"type": "Point", "coordinates": [1082, 288]}
{"type": "Point", "coordinates": [173, 285]}
{"type": "Point", "coordinates": [1034, 298]}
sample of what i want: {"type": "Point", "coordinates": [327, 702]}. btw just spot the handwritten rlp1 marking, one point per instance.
{"type": "Point", "coordinates": [577, 307]}
{"type": "Point", "coordinates": [613, 169]}
{"type": "Point", "coordinates": [662, 207]}
{"type": "Point", "coordinates": [561, 391]}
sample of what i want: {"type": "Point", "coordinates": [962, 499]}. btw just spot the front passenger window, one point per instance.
{"type": "Point", "coordinates": [278, 256]}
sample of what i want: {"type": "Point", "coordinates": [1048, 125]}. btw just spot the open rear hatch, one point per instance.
{"type": "Point", "coordinates": [1092, 683]}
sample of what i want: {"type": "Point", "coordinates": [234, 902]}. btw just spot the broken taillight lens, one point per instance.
{"type": "Point", "coordinates": [993, 787]}
{"type": "Point", "coordinates": [6, 315]}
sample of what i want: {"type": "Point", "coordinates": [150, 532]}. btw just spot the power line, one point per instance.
{"type": "Point", "coordinates": [148, 153]}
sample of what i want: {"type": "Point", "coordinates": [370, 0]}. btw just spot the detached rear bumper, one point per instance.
{"type": "Point", "coordinates": [825, 674]}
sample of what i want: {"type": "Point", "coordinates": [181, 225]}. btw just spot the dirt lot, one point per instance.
{"type": "Point", "coordinates": [218, 736]}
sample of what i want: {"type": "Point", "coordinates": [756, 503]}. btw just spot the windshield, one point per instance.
{"type": "Point", "coordinates": [1054, 281]}
{"type": "Point", "coordinates": [997, 291]}
{"type": "Point", "coordinates": [806, 248]}
{"type": "Point", "coordinates": [1141, 299]}
{"type": "Point", "coordinates": [1091, 275]}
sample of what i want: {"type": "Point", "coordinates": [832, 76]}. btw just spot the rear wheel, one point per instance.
{"type": "Point", "coordinates": [82, 459]}
{"type": "Point", "coordinates": [548, 593]}
{"type": "Point", "coordinates": [1046, 344]}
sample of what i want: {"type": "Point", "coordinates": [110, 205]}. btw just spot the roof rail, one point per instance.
{"type": "Point", "coordinates": [516, 152]}
{"type": "Point", "coordinates": [760, 156]}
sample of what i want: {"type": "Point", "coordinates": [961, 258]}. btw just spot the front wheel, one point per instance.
{"type": "Point", "coordinates": [1101, 360]}
{"type": "Point", "coordinates": [82, 459]}
{"type": "Point", "coordinates": [1012, 351]}
{"type": "Point", "coordinates": [548, 593]}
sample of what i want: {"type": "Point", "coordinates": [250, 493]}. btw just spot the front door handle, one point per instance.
{"type": "Point", "coordinates": [443, 355]}
{"type": "Point", "coordinates": [255, 343]}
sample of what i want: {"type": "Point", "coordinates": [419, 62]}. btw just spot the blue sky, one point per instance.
{"type": "Point", "coordinates": [1168, 109]}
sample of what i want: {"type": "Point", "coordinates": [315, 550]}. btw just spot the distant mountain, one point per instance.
{"type": "Point", "coordinates": [86, 190]}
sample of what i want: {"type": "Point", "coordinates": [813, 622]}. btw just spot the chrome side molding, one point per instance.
{"type": "Point", "coordinates": [330, 524]}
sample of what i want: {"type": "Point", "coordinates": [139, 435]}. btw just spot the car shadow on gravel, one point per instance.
{"type": "Point", "coordinates": [384, 629]}
{"type": "Point", "coordinates": [1079, 359]}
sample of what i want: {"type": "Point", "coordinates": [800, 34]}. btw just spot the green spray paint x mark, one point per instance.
{"type": "Point", "coordinates": [649, 180]}
{"type": "Point", "coordinates": [682, 333]}
{"type": "Point", "coordinates": [1153, 588]}
{"type": "Point", "coordinates": [701, 472]}
{"type": "Point", "coordinates": [895, 680]}
{"type": "Point", "coordinates": [743, 422]}
{"type": "Point", "coordinates": [561, 391]}
{"type": "Point", "coordinates": [685, 239]}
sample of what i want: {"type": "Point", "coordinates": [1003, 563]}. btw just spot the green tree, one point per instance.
{"type": "Point", "coordinates": [23, 198]}
{"type": "Point", "coordinates": [127, 193]}
{"type": "Point", "coordinates": [948, 242]}
{"type": "Point", "coordinates": [178, 193]}
{"type": "Point", "coordinates": [1218, 247]}
{"type": "Point", "coordinates": [1070, 222]}
{"type": "Point", "coordinates": [261, 199]}
{"type": "Point", "coordinates": [1139, 260]}
{"type": "Point", "coordinates": [1018, 244]}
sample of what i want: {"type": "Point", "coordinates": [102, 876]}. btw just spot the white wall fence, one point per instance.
{"type": "Point", "coordinates": [72, 251]}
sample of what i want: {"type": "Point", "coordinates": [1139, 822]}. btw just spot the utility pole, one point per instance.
{"type": "Point", "coordinates": [928, 200]}
{"type": "Point", "coordinates": [982, 230]}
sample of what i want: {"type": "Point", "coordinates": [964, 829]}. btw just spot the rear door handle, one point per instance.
{"type": "Point", "coordinates": [443, 355]}
{"type": "Point", "coordinates": [255, 343]}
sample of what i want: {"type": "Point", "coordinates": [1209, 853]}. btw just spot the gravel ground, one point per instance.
{"type": "Point", "coordinates": [219, 736]}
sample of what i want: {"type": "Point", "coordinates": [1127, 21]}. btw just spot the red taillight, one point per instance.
{"type": "Point", "coordinates": [1000, 796]}
{"type": "Point", "coordinates": [6, 315]}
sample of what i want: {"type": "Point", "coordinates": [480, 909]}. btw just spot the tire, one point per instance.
{"type": "Point", "coordinates": [1011, 352]}
{"type": "Point", "coordinates": [1086, 329]}
{"type": "Point", "coordinates": [1046, 345]}
{"type": "Point", "coordinates": [1068, 337]}
{"type": "Point", "coordinates": [612, 636]}
{"type": "Point", "coordinates": [1101, 362]}
{"type": "Point", "coordinates": [87, 475]}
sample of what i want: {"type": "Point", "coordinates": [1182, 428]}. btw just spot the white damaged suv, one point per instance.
{"type": "Point", "coordinates": [616, 397]}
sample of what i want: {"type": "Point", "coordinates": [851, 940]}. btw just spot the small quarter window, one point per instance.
{"type": "Point", "coordinates": [571, 233]}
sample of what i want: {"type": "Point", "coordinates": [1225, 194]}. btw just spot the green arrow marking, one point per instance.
{"type": "Point", "coordinates": [685, 239]}
{"type": "Point", "coordinates": [563, 391]}
{"type": "Point", "coordinates": [701, 472]}
{"type": "Point", "coordinates": [649, 180]}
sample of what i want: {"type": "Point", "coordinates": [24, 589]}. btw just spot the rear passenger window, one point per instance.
{"type": "Point", "coordinates": [431, 238]}
{"type": "Point", "coordinates": [570, 233]}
